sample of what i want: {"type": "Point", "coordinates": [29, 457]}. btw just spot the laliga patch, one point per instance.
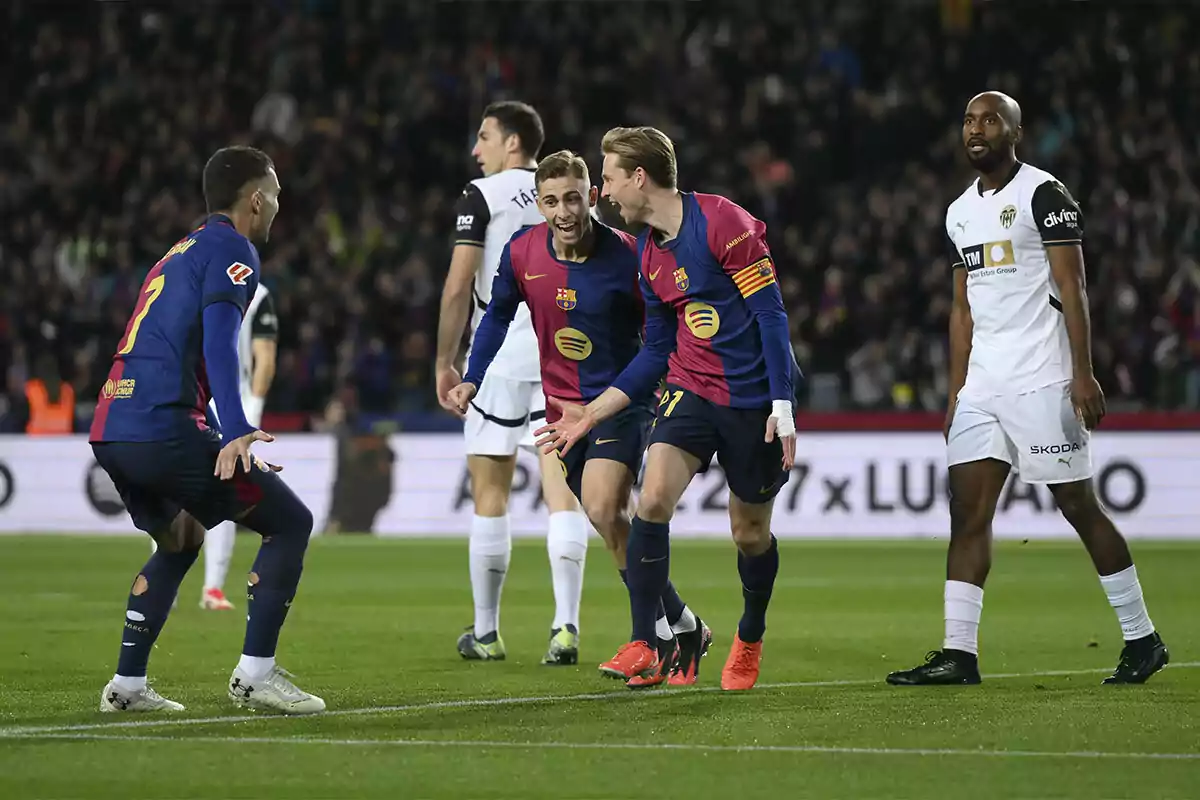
{"type": "Point", "coordinates": [238, 273]}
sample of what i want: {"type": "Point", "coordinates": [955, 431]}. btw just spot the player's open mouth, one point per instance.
{"type": "Point", "coordinates": [977, 148]}
{"type": "Point", "coordinates": [570, 227]}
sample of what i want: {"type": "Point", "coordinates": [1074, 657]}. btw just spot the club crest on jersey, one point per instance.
{"type": "Point", "coordinates": [238, 273]}
{"type": "Point", "coordinates": [1008, 216]}
{"type": "Point", "coordinates": [682, 281]}
{"type": "Point", "coordinates": [565, 299]}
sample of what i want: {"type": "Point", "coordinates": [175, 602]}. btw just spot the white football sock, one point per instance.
{"type": "Point", "coordinates": [130, 684]}
{"type": "Point", "coordinates": [566, 544]}
{"type": "Point", "coordinates": [256, 667]}
{"type": "Point", "coordinates": [964, 606]}
{"type": "Point", "coordinates": [686, 623]}
{"type": "Point", "coordinates": [663, 629]}
{"type": "Point", "coordinates": [218, 551]}
{"type": "Point", "coordinates": [490, 551]}
{"type": "Point", "coordinates": [1125, 596]}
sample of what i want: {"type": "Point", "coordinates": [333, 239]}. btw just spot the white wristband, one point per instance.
{"type": "Point", "coordinates": [785, 420]}
{"type": "Point", "coordinates": [253, 406]}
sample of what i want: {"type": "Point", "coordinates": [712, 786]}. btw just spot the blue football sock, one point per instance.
{"type": "Point", "coordinates": [285, 524]}
{"type": "Point", "coordinates": [649, 566]}
{"type": "Point", "coordinates": [758, 579]}
{"type": "Point", "coordinates": [673, 604]}
{"type": "Point", "coordinates": [150, 601]}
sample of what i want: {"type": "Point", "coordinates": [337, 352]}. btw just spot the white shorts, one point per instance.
{"type": "Point", "coordinates": [1036, 432]}
{"type": "Point", "coordinates": [503, 416]}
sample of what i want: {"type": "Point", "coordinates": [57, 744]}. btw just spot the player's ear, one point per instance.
{"type": "Point", "coordinates": [1018, 135]}
{"type": "Point", "coordinates": [593, 196]}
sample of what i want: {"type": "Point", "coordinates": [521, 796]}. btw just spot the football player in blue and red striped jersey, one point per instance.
{"type": "Point", "coordinates": [579, 279]}
{"type": "Point", "coordinates": [176, 474]}
{"type": "Point", "coordinates": [731, 379]}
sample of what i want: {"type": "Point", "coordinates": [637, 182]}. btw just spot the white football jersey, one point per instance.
{"type": "Point", "coordinates": [489, 212]}
{"type": "Point", "coordinates": [260, 322]}
{"type": "Point", "coordinates": [1000, 237]}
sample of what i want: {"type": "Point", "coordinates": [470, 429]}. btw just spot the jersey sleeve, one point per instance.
{"type": "Point", "coordinates": [265, 323]}
{"type": "Point", "coordinates": [493, 328]}
{"type": "Point", "coordinates": [956, 259]}
{"type": "Point", "coordinates": [231, 275]}
{"type": "Point", "coordinates": [472, 217]}
{"type": "Point", "coordinates": [738, 242]}
{"type": "Point", "coordinates": [1057, 215]}
{"type": "Point", "coordinates": [647, 368]}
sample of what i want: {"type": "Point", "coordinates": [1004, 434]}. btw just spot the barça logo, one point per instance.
{"type": "Point", "coordinates": [682, 281]}
{"type": "Point", "coordinates": [565, 299]}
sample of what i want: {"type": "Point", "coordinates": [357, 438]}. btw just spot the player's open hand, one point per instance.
{"type": "Point", "coordinates": [1088, 399]}
{"type": "Point", "coordinates": [239, 451]}
{"type": "Point", "coordinates": [572, 426]}
{"type": "Point", "coordinates": [462, 395]}
{"type": "Point", "coordinates": [782, 423]}
{"type": "Point", "coordinates": [446, 379]}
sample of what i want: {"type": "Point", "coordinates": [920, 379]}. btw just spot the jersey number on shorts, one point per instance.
{"type": "Point", "coordinates": [670, 400]}
{"type": "Point", "coordinates": [153, 290]}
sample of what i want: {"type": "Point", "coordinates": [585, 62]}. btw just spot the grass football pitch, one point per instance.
{"type": "Point", "coordinates": [373, 632]}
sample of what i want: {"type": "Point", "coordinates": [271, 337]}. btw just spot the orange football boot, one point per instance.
{"type": "Point", "coordinates": [668, 657]}
{"type": "Point", "coordinates": [741, 668]}
{"type": "Point", "coordinates": [632, 659]}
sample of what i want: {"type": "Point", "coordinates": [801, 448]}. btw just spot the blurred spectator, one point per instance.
{"type": "Point", "coordinates": [836, 122]}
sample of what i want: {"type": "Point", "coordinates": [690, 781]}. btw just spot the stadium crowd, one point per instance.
{"type": "Point", "coordinates": [836, 122]}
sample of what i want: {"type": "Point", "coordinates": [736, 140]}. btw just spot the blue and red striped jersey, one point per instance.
{"type": "Point", "coordinates": [158, 381]}
{"type": "Point", "coordinates": [717, 277]}
{"type": "Point", "coordinates": [588, 316]}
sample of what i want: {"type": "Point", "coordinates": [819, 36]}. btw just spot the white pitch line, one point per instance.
{"type": "Point", "coordinates": [706, 748]}
{"type": "Point", "coordinates": [488, 702]}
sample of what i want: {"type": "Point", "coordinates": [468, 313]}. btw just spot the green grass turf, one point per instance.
{"type": "Point", "coordinates": [375, 625]}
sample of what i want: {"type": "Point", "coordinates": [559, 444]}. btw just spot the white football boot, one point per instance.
{"type": "Point", "coordinates": [273, 693]}
{"type": "Point", "coordinates": [114, 699]}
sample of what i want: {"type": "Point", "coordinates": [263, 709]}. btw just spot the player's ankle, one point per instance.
{"type": "Point", "coordinates": [256, 667]}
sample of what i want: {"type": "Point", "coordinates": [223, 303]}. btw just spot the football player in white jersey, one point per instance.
{"type": "Point", "coordinates": [1023, 395]}
{"type": "Point", "coordinates": [509, 404]}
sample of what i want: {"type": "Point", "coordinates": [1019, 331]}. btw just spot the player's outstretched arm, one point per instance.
{"type": "Point", "coordinates": [638, 379]}
{"type": "Point", "coordinates": [961, 328]}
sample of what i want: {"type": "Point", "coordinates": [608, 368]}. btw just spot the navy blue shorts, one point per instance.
{"type": "Point", "coordinates": [754, 468]}
{"type": "Point", "coordinates": [157, 480]}
{"type": "Point", "coordinates": [619, 438]}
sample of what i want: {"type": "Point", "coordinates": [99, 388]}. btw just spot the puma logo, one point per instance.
{"type": "Point", "coordinates": [572, 560]}
{"type": "Point", "coordinates": [1066, 461]}
{"type": "Point", "coordinates": [654, 274]}
{"type": "Point", "coordinates": [529, 277]}
{"type": "Point", "coordinates": [962, 226]}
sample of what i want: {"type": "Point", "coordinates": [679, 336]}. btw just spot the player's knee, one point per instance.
{"type": "Point", "coordinates": [655, 505]}
{"type": "Point", "coordinates": [1077, 502]}
{"type": "Point", "coordinates": [490, 501]}
{"type": "Point", "coordinates": [751, 535]}
{"type": "Point", "coordinates": [968, 515]}
{"type": "Point", "coordinates": [605, 514]}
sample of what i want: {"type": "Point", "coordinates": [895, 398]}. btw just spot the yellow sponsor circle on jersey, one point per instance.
{"type": "Point", "coordinates": [702, 320]}
{"type": "Point", "coordinates": [572, 343]}
{"type": "Point", "coordinates": [998, 254]}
